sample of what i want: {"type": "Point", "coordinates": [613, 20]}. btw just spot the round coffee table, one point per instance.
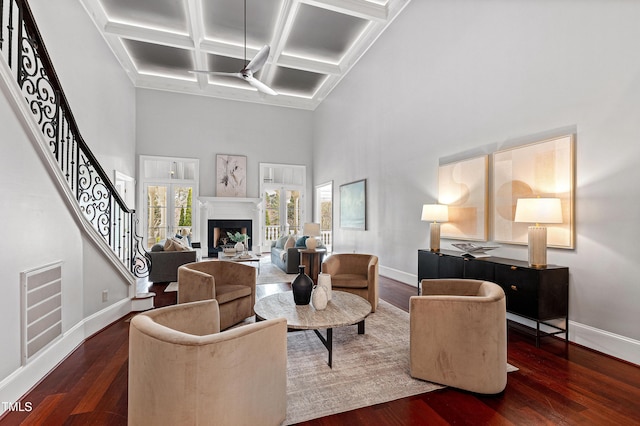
{"type": "Point", "coordinates": [342, 310]}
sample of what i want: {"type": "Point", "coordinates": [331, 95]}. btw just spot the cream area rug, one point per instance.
{"type": "Point", "coordinates": [270, 273]}
{"type": "Point", "coordinates": [367, 369]}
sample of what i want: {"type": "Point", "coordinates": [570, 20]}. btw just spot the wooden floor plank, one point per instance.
{"type": "Point", "coordinates": [558, 383]}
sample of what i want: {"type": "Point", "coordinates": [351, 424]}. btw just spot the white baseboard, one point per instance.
{"type": "Point", "coordinates": [599, 340]}
{"type": "Point", "coordinates": [18, 383]}
{"type": "Point", "coordinates": [397, 275]}
{"type": "Point", "coordinates": [603, 341]}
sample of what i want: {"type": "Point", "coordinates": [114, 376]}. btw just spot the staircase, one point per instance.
{"type": "Point", "coordinates": [36, 87]}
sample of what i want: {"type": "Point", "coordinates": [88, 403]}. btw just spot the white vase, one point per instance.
{"type": "Point", "coordinates": [324, 280]}
{"type": "Point", "coordinates": [239, 247]}
{"type": "Point", "coordinates": [319, 298]}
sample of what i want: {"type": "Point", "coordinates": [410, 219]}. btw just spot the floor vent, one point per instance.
{"type": "Point", "coordinates": [41, 290]}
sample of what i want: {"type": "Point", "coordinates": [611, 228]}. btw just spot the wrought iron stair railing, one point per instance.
{"type": "Point", "coordinates": [22, 48]}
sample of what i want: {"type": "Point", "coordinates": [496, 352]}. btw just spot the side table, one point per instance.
{"type": "Point", "coordinates": [311, 259]}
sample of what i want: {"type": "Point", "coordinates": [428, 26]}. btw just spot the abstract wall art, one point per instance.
{"type": "Point", "coordinates": [541, 169]}
{"type": "Point", "coordinates": [231, 175]}
{"type": "Point", "coordinates": [463, 186]}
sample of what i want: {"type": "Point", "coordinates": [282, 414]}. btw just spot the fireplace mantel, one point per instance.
{"type": "Point", "coordinates": [229, 208]}
{"type": "Point", "coordinates": [228, 200]}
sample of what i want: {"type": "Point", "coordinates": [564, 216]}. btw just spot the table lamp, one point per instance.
{"type": "Point", "coordinates": [435, 213]}
{"type": "Point", "coordinates": [538, 210]}
{"type": "Point", "coordinates": [311, 230]}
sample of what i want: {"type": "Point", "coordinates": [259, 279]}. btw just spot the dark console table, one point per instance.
{"type": "Point", "coordinates": [540, 295]}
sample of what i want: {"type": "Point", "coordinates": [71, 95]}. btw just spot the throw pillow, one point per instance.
{"type": "Point", "coordinates": [169, 245]}
{"type": "Point", "coordinates": [157, 247]}
{"type": "Point", "coordinates": [281, 241]}
{"type": "Point", "coordinates": [302, 242]}
{"type": "Point", "coordinates": [291, 242]}
{"type": "Point", "coordinates": [179, 245]}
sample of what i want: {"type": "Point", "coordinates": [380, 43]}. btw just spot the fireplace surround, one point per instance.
{"type": "Point", "coordinates": [217, 236]}
{"type": "Point", "coordinates": [228, 209]}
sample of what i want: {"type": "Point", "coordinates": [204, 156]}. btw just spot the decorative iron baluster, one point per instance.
{"type": "Point", "coordinates": [98, 199]}
{"type": "Point", "coordinates": [1, 22]}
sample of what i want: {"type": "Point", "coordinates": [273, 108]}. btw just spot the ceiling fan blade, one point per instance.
{"type": "Point", "coordinates": [258, 61]}
{"type": "Point", "coordinates": [260, 86]}
{"type": "Point", "coordinates": [225, 74]}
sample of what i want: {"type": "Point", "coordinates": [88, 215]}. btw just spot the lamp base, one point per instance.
{"type": "Point", "coordinates": [537, 246]}
{"type": "Point", "coordinates": [311, 243]}
{"type": "Point", "coordinates": [434, 236]}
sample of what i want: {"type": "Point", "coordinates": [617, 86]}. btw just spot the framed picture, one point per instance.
{"type": "Point", "coordinates": [231, 175]}
{"type": "Point", "coordinates": [353, 205]}
{"type": "Point", "coordinates": [463, 186]}
{"type": "Point", "coordinates": [544, 169]}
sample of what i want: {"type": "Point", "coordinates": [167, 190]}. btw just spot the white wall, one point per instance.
{"type": "Point", "coordinates": [38, 225]}
{"type": "Point", "coordinates": [105, 113]}
{"type": "Point", "coordinates": [450, 76]}
{"type": "Point", "coordinates": [83, 61]}
{"type": "Point", "coordinates": [178, 125]}
{"type": "Point", "coordinates": [38, 230]}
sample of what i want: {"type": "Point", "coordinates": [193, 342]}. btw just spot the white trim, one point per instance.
{"type": "Point", "coordinates": [394, 274]}
{"type": "Point", "coordinates": [603, 341]}
{"type": "Point", "coordinates": [608, 343]}
{"type": "Point", "coordinates": [24, 378]}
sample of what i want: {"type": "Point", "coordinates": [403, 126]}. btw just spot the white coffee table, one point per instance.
{"type": "Point", "coordinates": [344, 309]}
{"type": "Point", "coordinates": [238, 257]}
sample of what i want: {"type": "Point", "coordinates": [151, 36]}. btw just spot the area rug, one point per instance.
{"type": "Point", "coordinates": [367, 369]}
{"type": "Point", "coordinates": [270, 273]}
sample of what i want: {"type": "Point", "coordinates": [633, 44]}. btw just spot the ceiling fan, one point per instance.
{"type": "Point", "coordinates": [249, 69]}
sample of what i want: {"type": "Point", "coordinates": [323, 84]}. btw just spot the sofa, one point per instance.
{"type": "Point", "coordinates": [166, 257]}
{"type": "Point", "coordinates": [285, 255]}
{"type": "Point", "coordinates": [232, 284]}
{"type": "Point", "coordinates": [184, 371]}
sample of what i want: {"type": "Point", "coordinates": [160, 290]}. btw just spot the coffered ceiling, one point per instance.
{"type": "Point", "coordinates": [314, 43]}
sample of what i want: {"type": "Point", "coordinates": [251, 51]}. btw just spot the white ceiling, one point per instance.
{"type": "Point", "coordinates": [314, 43]}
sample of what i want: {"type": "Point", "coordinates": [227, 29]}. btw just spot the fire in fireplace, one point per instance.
{"type": "Point", "coordinates": [217, 236]}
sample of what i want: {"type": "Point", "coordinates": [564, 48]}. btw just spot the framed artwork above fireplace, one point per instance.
{"type": "Point", "coordinates": [231, 175]}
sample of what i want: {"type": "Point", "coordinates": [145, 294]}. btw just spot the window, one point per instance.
{"type": "Point", "coordinates": [169, 186]}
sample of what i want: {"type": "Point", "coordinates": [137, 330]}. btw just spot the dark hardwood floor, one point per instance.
{"type": "Point", "coordinates": [558, 383]}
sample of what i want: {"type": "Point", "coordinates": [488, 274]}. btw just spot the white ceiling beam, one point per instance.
{"type": "Point", "coordinates": [281, 32]}
{"type": "Point", "coordinates": [307, 64]}
{"type": "Point", "coordinates": [150, 35]}
{"type": "Point", "coordinates": [226, 92]}
{"type": "Point", "coordinates": [226, 49]}
{"type": "Point", "coordinates": [358, 8]}
{"type": "Point", "coordinates": [196, 29]}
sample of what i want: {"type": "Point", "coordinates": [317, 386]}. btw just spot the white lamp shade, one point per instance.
{"type": "Point", "coordinates": [538, 210]}
{"type": "Point", "coordinates": [311, 229]}
{"type": "Point", "coordinates": [435, 213]}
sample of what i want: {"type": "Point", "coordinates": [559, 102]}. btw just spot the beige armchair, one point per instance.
{"type": "Point", "coordinates": [354, 273]}
{"type": "Point", "coordinates": [458, 335]}
{"type": "Point", "coordinates": [183, 371]}
{"type": "Point", "coordinates": [232, 284]}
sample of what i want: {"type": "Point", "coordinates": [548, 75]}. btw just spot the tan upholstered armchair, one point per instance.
{"type": "Point", "coordinates": [458, 335]}
{"type": "Point", "coordinates": [354, 273]}
{"type": "Point", "coordinates": [183, 371]}
{"type": "Point", "coordinates": [232, 284]}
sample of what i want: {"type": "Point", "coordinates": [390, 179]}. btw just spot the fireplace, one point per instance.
{"type": "Point", "coordinates": [217, 236]}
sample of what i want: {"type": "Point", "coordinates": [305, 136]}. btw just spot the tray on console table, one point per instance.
{"type": "Point", "coordinates": [538, 294]}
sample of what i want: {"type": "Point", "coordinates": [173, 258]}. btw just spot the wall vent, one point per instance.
{"type": "Point", "coordinates": [41, 294]}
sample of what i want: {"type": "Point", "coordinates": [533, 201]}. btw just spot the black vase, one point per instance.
{"type": "Point", "coordinates": [302, 286]}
